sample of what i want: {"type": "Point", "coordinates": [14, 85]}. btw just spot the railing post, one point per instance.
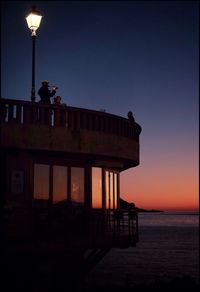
{"type": "Point", "coordinates": [26, 115]}
{"type": "Point", "coordinates": [10, 112]}
{"type": "Point", "coordinates": [63, 117]}
{"type": "Point", "coordinates": [78, 121]}
{"type": "Point", "coordinates": [18, 113]}
{"type": "Point", "coordinates": [3, 112]}
{"type": "Point", "coordinates": [137, 230]}
{"type": "Point", "coordinates": [56, 117]}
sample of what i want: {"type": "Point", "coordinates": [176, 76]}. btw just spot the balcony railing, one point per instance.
{"type": "Point", "coordinates": [94, 227]}
{"type": "Point", "coordinates": [89, 228]}
{"type": "Point", "coordinates": [27, 113]}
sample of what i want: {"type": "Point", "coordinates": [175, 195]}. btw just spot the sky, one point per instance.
{"type": "Point", "coordinates": [120, 56]}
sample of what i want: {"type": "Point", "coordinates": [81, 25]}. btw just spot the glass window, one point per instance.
{"type": "Point", "coordinates": [111, 190]}
{"type": "Point", "coordinates": [41, 181]}
{"type": "Point", "coordinates": [107, 191]}
{"type": "Point", "coordinates": [77, 185]}
{"type": "Point", "coordinates": [96, 187]}
{"type": "Point", "coordinates": [59, 183]}
{"type": "Point", "coordinates": [115, 191]}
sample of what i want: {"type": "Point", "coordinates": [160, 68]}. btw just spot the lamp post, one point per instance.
{"type": "Point", "coordinates": [33, 20]}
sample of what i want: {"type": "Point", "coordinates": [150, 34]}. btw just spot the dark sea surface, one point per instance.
{"type": "Point", "coordinates": [168, 248]}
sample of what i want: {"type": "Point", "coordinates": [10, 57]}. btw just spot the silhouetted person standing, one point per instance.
{"type": "Point", "coordinates": [45, 93]}
{"type": "Point", "coordinates": [130, 116]}
{"type": "Point", "coordinates": [57, 100]}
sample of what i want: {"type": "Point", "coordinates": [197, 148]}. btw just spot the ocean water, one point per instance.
{"type": "Point", "coordinates": [168, 248]}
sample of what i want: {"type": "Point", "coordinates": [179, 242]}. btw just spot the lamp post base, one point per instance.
{"type": "Point", "coordinates": [33, 95]}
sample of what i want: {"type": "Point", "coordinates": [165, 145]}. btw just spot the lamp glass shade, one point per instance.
{"type": "Point", "coordinates": [33, 21]}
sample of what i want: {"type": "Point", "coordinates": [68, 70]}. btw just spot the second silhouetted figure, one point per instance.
{"type": "Point", "coordinates": [45, 93]}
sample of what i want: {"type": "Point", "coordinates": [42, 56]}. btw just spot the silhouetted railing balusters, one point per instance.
{"type": "Point", "coordinates": [24, 112]}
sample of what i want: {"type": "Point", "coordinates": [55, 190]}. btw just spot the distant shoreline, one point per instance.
{"type": "Point", "coordinates": [125, 205]}
{"type": "Point", "coordinates": [149, 211]}
{"type": "Point", "coordinates": [129, 206]}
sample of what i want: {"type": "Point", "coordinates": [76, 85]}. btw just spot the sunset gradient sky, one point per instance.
{"type": "Point", "coordinates": [120, 56]}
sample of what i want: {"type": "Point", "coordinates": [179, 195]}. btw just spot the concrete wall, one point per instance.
{"type": "Point", "coordinates": [81, 141]}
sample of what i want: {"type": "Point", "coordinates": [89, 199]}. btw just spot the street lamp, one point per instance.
{"type": "Point", "coordinates": [33, 20]}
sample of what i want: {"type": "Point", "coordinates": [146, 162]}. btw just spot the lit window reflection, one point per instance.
{"type": "Point", "coordinates": [111, 190]}
{"type": "Point", "coordinates": [96, 187]}
{"type": "Point", "coordinates": [77, 186]}
{"type": "Point", "coordinates": [115, 191]}
{"type": "Point", "coordinates": [107, 191]}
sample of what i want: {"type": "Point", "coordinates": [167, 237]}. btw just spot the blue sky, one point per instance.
{"type": "Point", "coordinates": [118, 56]}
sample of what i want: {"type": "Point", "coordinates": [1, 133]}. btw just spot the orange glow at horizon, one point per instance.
{"type": "Point", "coordinates": [164, 188]}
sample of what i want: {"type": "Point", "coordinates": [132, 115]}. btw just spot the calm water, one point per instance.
{"type": "Point", "coordinates": [176, 219]}
{"type": "Point", "coordinates": [168, 248]}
